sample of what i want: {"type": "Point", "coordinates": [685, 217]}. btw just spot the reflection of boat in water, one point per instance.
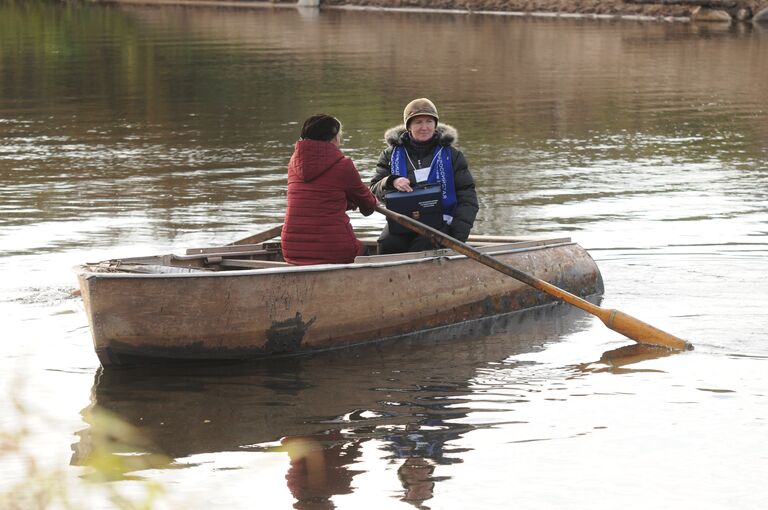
{"type": "Point", "coordinates": [410, 396]}
{"type": "Point", "coordinates": [413, 398]}
{"type": "Point", "coordinates": [236, 302]}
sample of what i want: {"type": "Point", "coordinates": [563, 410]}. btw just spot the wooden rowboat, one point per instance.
{"type": "Point", "coordinates": [243, 301]}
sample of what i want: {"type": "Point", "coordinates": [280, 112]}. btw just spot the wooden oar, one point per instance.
{"type": "Point", "coordinates": [260, 237]}
{"type": "Point", "coordinates": [618, 321]}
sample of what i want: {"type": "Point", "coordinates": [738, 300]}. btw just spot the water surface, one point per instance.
{"type": "Point", "coordinates": [138, 130]}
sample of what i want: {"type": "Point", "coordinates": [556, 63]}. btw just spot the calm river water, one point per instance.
{"type": "Point", "coordinates": [140, 130]}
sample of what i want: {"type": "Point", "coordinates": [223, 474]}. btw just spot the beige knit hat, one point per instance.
{"type": "Point", "coordinates": [421, 106]}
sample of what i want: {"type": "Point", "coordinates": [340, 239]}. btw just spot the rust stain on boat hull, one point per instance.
{"type": "Point", "coordinates": [286, 336]}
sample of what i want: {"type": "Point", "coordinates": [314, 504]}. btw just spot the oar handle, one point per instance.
{"type": "Point", "coordinates": [618, 321]}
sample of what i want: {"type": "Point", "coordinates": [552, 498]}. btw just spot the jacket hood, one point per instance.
{"type": "Point", "coordinates": [312, 158]}
{"type": "Point", "coordinates": [446, 135]}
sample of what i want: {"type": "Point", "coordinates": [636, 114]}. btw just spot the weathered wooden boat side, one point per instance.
{"type": "Point", "coordinates": [286, 310]}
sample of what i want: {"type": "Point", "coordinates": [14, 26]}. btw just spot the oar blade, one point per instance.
{"type": "Point", "coordinates": [642, 332]}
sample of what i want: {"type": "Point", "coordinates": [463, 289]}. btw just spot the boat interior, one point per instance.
{"type": "Point", "coordinates": [266, 254]}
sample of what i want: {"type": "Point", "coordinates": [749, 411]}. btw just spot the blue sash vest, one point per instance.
{"type": "Point", "coordinates": [440, 170]}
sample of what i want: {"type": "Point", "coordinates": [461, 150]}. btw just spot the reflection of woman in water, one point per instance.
{"type": "Point", "coordinates": [425, 439]}
{"type": "Point", "coordinates": [422, 449]}
{"type": "Point", "coordinates": [416, 476]}
{"type": "Point", "coordinates": [318, 468]}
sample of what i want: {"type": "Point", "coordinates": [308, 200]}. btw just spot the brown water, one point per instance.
{"type": "Point", "coordinates": [127, 131]}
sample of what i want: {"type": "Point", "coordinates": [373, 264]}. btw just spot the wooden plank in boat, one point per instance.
{"type": "Point", "coordinates": [151, 269]}
{"type": "Point", "coordinates": [490, 248]}
{"type": "Point", "coordinates": [367, 241]}
{"type": "Point", "coordinates": [500, 239]}
{"type": "Point", "coordinates": [252, 264]}
{"type": "Point", "coordinates": [240, 248]}
{"type": "Point", "coordinates": [215, 254]}
{"type": "Point", "coordinates": [160, 260]}
{"type": "Point", "coordinates": [261, 236]}
{"type": "Point", "coordinates": [474, 238]}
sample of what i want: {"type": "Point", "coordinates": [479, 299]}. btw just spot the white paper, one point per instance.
{"type": "Point", "coordinates": [421, 174]}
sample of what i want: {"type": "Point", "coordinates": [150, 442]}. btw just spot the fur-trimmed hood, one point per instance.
{"type": "Point", "coordinates": [447, 135]}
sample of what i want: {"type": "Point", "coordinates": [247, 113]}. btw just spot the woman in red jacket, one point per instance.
{"type": "Point", "coordinates": [322, 185]}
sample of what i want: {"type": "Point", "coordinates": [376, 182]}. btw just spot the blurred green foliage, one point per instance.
{"type": "Point", "coordinates": [107, 459]}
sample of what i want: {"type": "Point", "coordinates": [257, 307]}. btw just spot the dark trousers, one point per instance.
{"type": "Point", "coordinates": [406, 242]}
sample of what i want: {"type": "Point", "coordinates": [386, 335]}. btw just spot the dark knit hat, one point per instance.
{"type": "Point", "coordinates": [320, 127]}
{"type": "Point", "coordinates": [421, 106]}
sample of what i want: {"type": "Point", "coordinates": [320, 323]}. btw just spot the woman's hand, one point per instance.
{"type": "Point", "coordinates": [402, 184]}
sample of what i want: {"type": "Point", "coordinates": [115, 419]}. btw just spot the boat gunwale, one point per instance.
{"type": "Point", "coordinates": [82, 270]}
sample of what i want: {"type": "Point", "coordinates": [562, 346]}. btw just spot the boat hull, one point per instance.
{"type": "Point", "coordinates": [229, 315]}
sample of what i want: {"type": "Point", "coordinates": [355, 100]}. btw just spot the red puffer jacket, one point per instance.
{"type": "Point", "coordinates": [322, 185]}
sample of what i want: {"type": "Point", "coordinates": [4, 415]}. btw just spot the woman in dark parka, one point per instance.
{"type": "Point", "coordinates": [421, 151]}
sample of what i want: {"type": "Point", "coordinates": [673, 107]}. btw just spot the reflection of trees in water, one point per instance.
{"type": "Point", "coordinates": [188, 115]}
{"type": "Point", "coordinates": [574, 77]}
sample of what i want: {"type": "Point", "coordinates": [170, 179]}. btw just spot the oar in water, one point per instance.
{"type": "Point", "coordinates": [618, 321]}
{"type": "Point", "coordinates": [260, 237]}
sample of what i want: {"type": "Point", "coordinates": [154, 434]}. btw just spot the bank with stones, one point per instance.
{"type": "Point", "coordinates": [720, 11]}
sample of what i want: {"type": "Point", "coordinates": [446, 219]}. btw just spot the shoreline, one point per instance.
{"type": "Point", "coordinates": [520, 14]}
{"type": "Point", "coordinates": [723, 11]}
